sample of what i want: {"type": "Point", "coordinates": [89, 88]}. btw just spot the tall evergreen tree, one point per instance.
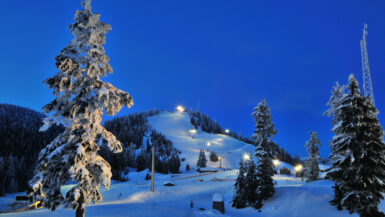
{"type": "Point", "coordinates": [81, 97]}
{"type": "Point", "coordinates": [357, 151]}
{"type": "Point", "coordinates": [252, 184]}
{"type": "Point", "coordinates": [240, 196]}
{"type": "Point", "coordinates": [311, 172]}
{"type": "Point", "coordinates": [335, 101]}
{"type": "Point", "coordinates": [201, 163]}
{"type": "Point", "coordinates": [265, 152]}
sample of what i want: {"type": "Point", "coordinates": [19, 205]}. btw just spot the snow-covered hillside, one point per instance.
{"type": "Point", "coordinates": [293, 198]}
{"type": "Point", "coordinates": [176, 126]}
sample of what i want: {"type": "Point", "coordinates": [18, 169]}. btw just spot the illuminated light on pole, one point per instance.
{"type": "Point", "coordinates": [246, 157]}
{"type": "Point", "coordinates": [298, 171]}
{"type": "Point", "coordinates": [227, 131]}
{"type": "Point", "coordinates": [180, 108]}
{"type": "Point", "coordinates": [220, 162]}
{"type": "Point", "coordinates": [276, 162]}
{"type": "Point", "coordinates": [193, 131]}
{"type": "Point", "coordinates": [298, 168]}
{"type": "Point", "coordinates": [208, 144]}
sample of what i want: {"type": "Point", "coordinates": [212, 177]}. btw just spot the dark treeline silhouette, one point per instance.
{"type": "Point", "coordinates": [20, 144]}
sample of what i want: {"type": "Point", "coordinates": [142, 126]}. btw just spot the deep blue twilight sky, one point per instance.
{"type": "Point", "coordinates": [228, 54]}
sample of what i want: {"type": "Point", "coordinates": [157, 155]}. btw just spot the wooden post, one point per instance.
{"type": "Point", "coordinates": [152, 168]}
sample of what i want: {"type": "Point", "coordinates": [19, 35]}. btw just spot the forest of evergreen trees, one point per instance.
{"type": "Point", "coordinates": [20, 144]}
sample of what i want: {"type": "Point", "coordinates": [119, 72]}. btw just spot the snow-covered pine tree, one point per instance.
{"type": "Point", "coordinates": [335, 101]}
{"type": "Point", "coordinates": [240, 197]}
{"type": "Point", "coordinates": [251, 185]}
{"type": "Point", "coordinates": [265, 152]}
{"type": "Point", "coordinates": [311, 172]}
{"type": "Point", "coordinates": [81, 97]}
{"type": "Point", "coordinates": [201, 163]}
{"type": "Point", "coordinates": [357, 152]}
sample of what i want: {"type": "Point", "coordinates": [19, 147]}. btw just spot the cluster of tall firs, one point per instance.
{"type": "Point", "coordinates": [20, 144]}
{"type": "Point", "coordinates": [254, 183]}
{"type": "Point", "coordinates": [357, 152]}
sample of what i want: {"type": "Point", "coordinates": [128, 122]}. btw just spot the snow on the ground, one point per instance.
{"type": "Point", "coordinates": [293, 198]}
{"type": "Point", "coordinates": [176, 127]}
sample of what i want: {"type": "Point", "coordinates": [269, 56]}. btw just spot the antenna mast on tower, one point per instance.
{"type": "Point", "coordinates": [367, 80]}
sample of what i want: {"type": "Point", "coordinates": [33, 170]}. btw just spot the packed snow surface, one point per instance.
{"type": "Point", "coordinates": [293, 198]}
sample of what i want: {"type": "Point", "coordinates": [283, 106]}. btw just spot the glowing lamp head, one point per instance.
{"type": "Point", "coordinates": [246, 157]}
{"type": "Point", "coordinates": [276, 162]}
{"type": "Point", "coordinates": [298, 168]}
{"type": "Point", "coordinates": [219, 158]}
{"type": "Point", "coordinates": [193, 131]}
{"type": "Point", "coordinates": [227, 131]}
{"type": "Point", "coordinates": [180, 108]}
{"type": "Point", "coordinates": [208, 144]}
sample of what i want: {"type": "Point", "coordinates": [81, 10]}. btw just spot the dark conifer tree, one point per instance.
{"type": "Point", "coordinates": [251, 185]}
{"type": "Point", "coordinates": [357, 151]}
{"type": "Point", "coordinates": [202, 159]}
{"type": "Point", "coordinates": [311, 172]}
{"type": "Point", "coordinates": [213, 156]}
{"type": "Point", "coordinates": [265, 152]}
{"type": "Point", "coordinates": [240, 197]}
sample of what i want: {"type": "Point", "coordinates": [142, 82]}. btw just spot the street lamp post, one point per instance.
{"type": "Point", "coordinates": [152, 168]}
{"type": "Point", "coordinates": [220, 162]}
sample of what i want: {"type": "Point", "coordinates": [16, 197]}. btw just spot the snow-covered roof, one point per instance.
{"type": "Point", "coordinates": [217, 197]}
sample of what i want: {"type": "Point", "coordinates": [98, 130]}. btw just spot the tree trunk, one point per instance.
{"type": "Point", "coordinates": [81, 208]}
{"type": "Point", "coordinates": [80, 211]}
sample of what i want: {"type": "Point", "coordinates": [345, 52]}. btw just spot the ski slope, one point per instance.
{"type": "Point", "coordinates": [176, 126]}
{"type": "Point", "coordinates": [293, 197]}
